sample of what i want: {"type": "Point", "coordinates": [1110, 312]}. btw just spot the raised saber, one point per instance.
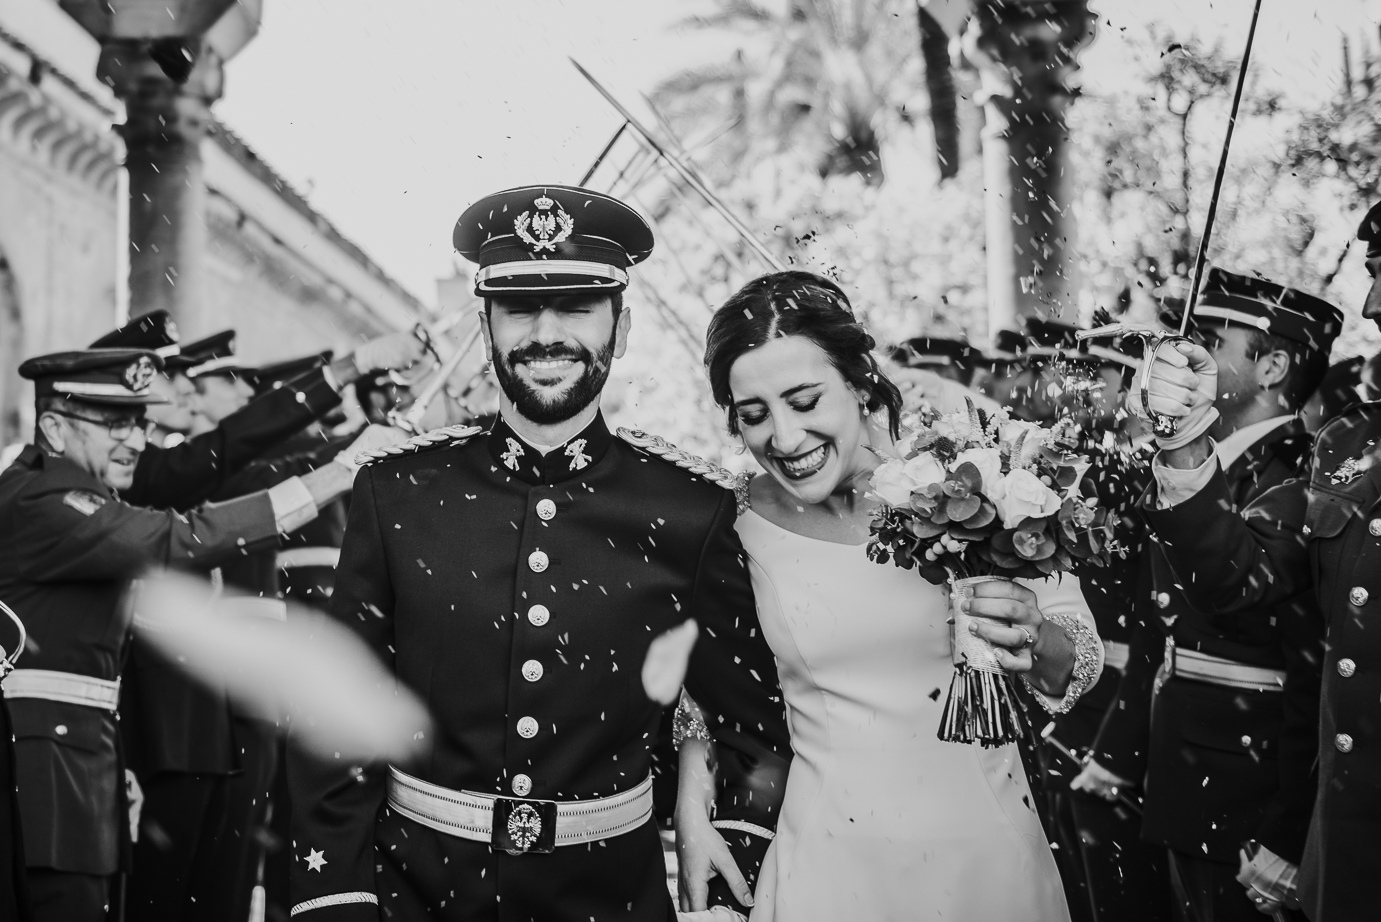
{"type": "Point", "coordinates": [685, 172]}
{"type": "Point", "coordinates": [411, 419]}
{"type": "Point", "coordinates": [1161, 425]}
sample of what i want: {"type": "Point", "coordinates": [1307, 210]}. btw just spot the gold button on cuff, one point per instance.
{"type": "Point", "coordinates": [1358, 596]}
{"type": "Point", "coordinates": [1374, 526]}
{"type": "Point", "coordinates": [538, 615]}
{"type": "Point", "coordinates": [1162, 600]}
{"type": "Point", "coordinates": [527, 728]}
{"type": "Point", "coordinates": [1343, 742]}
{"type": "Point", "coordinates": [546, 510]}
{"type": "Point", "coordinates": [522, 785]}
{"type": "Point", "coordinates": [537, 561]}
{"type": "Point", "coordinates": [1346, 667]}
{"type": "Point", "coordinates": [532, 670]}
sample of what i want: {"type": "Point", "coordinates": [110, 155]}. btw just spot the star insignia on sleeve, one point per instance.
{"type": "Point", "coordinates": [315, 860]}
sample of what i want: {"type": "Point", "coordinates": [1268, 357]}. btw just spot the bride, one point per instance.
{"type": "Point", "coordinates": [880, 820]}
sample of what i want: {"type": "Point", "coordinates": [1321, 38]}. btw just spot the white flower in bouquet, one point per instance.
{"type": "Point", "coordinates": [1020, 495]}
{"type": "Point", "coordinates": [957, 427]}
{"type": "Point", "coordinates": [894, 481]}
{"type": "Point", "coordinates": [989, 464]}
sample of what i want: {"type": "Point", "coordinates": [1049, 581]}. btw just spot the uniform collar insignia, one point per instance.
{"type": "Point", "coordinates": [544, 228]}
{"type": "Point", "coordinates": [575, 450]}
{"type": "Point", "coordinates": [510, 457]}
{"type": "Point", "coordinates": [576, 457]}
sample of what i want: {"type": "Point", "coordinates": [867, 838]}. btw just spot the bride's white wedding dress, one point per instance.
{"type": "Point", "coordinates": [881, 820]}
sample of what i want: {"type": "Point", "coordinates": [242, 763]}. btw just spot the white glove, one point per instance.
{"type": "Point", "coordinates": [1184, 384]}
{"type": "Point", "coordinates": [373, 436]}
{"type": "Point", "coordinates": [1097, 780]}
{"type": "Point", "coordinates": [392, 351]}
{"type": "Point", "coordinates": [135, 795]}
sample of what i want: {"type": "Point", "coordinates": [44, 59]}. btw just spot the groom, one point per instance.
{"type": "Point", "coordinates": [515, 580]}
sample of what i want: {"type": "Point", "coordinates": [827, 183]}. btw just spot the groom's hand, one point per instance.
{"type": "Point", "coordinates": [702, 853]}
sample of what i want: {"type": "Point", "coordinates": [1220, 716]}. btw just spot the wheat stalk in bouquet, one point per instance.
{"type": "Point", "coordinates": [973, 497]}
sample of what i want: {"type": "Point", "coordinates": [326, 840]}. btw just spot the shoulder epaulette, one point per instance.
{"type": "Point", "coordinates": [446, 436]}
{"type": "Point", "coordinates": [720, 476]}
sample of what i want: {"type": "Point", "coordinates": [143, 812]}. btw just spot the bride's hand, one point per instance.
{"type": "Point", "coordinates": [1015, 604]}
{"type": "Point", "coordinates": [701, 853]}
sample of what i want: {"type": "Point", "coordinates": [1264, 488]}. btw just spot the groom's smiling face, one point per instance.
{"type": "Point", "coordinates": [552, 353]}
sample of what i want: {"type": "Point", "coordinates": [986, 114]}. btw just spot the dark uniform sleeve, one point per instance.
{"type": "Point", "coordinates": [1286, 824]}
{"type": "Point", "coordinates": [267, 472]}
{"type": "Point", "coordinates": [196, 470]}
{"type": "Point", "coordinates": [335, 804]}
{"type": "Point", "coordinates": [74, 541]}
{"type": "Point", "coordinates": [1233, 562]}
{"type": "Point", "coordinates": [733, 677]}
{"type": "Point", "coordinates": [1123, 739]}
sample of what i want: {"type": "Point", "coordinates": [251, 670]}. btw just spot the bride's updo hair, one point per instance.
{"type": "Point", "coordinates": [797, 303]}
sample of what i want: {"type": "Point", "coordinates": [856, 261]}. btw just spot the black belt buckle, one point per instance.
{"type": "Point", "coordinates": [524, 827]}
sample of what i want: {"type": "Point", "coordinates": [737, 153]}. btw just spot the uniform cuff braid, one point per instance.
{"type": "Point", "coordinates": [1086, 649]}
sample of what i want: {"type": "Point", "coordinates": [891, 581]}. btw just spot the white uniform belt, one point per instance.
{"type": "Point", "coordinates": [254, 607]}
{"type": "Point", "coordinates": [308, 557]}
{"type": "Point", "coordinates": [1191, 664]}
{"type": "Point", "coordinates": [1116, 655]}
{"type": "Point", "coordinates": [67, 687]}
{"type": "Point", "coordinates": [468, 815]}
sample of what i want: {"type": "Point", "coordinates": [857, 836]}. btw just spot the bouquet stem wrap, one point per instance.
{"type": "Point", "coordinates": [982, 704]}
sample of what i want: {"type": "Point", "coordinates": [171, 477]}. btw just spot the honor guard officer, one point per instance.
{"type": "Point", "coordinates": [156, 331]}
{"type": "Point", "coordinates": [516, 579]}
{"type": "Point", "coordinates": [72, 546]}
{"type": "Point", "coordinates": [1315, 535]}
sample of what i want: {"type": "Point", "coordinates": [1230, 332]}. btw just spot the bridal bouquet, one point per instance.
{"type": "Point", "coordinates": [974, 497]}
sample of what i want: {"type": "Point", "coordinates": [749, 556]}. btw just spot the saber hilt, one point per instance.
{"type": "Point", "coordinates": [1162, 426]}
{"type": "Point", "coordinates": [7, 660]}
{"type": "Point", "coordinates": [410, 420]}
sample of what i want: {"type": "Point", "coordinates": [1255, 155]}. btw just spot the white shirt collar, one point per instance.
{"type": "Point", "coordinates": [1235, 445]}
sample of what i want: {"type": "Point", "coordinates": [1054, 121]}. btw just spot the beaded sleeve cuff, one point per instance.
{"type": "Point", "coordinates": [688, 722]}
{"type": "Point", "coordinates": [1086, 647]}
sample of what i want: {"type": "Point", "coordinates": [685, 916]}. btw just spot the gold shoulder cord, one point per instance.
{"type": "Point", "coordinates": [723, 477]}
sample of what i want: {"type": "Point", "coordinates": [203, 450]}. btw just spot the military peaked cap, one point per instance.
{"type": "Point", "coordinates": [933, 351]}
{"type": "Point", "coordinates": [210, 356]}
{"type": "Point", "coordinates": [1267, 306]}
{"type": "Point", "coordinates": [112, 377]}
{"type": "Point", "coordinates": [537, 239]}
{"type": "Point", "coordinates": [154, 331]}
{"type": "Point", "coordinates": [268, 377]}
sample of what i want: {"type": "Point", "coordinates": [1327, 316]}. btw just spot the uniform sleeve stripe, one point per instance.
{"type": "Point", "coordinates": [335, 899]}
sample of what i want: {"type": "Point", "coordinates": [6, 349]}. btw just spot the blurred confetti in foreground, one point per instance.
{"type": "Point", "coordinates": [664, 668]}
{"type": "Point", "coordinates": [305, 671]}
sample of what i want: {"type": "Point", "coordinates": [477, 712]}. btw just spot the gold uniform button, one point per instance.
{"type": "Point", "coordinates": [532, 670]}
{"type": "Point", "coordinates": [537, 561]}
{"type": "Point", "coordinates": [1346, 667]}
{"type": "Point", "coordinates": [1358, 596]}
{"type": "Point", "coordinates": [522, 785]}
{"type": "Point", "coordinates": [1343, 742]}
{"type": "Point", "coordinates": [1374, 526]}
{"type": "Point", "coordinates": [1162, 600]}
{"type": "Point", "coordinates": [60, 729]}
{"type": "Point", "coordinates": [527, 727]}
{"type": "Point", "coordinates": [546, 510]}
{"type": "Point", "coordinates": [538, 615]}
{"type": "Point", "coordinates": [1246, 741]}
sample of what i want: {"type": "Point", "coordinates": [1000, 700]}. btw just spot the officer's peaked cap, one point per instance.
{"type": "Point", "coordinates": [154, 331]}
{"type": "Point", "coordinates": [1055, 338]}
{"type": "Point", "coordinates": [213, 355]}
{"type": "Point", "coordinates": [1267, 306]}
{"type": "Point", "coordinates": [935, 351]}
{"type": "Point", "coordinates": [537, 239]}
{"type": "Point", "coordinates": [268, 377]}
{"type": "Point", "coordinates": [110, 377]}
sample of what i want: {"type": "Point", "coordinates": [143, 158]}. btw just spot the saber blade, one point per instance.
{"type": "Point", "coordinates": [1201, 258]}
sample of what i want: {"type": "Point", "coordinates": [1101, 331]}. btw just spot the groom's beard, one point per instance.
{"type": "Point", "coordinates": [548, 411]}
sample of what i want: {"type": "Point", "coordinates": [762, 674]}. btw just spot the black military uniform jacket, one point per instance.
{"type": "Point", "coordinates": [501, 584]}
{"type": "Point", "coordinates": [1319, 534]}
{"type": "Point", "coordinates": [193, 471]}
{"type": "Point", "coordinates": [70, 549]}
{"type": "Point", "coordinates": [1224, 765]}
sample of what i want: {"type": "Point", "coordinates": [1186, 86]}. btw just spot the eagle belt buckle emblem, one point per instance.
{"type": "Point", "coordinates": [524, 827]}
{"type": "Point", "coordinates": [1347, 472]}
{"type": "Point", "coordinates": [544, 229]}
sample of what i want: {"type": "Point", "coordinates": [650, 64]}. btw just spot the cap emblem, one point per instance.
{"type": "Point", "coordinates": [543, 230]}
{"type": "Point", "coordinates": [139, 375]}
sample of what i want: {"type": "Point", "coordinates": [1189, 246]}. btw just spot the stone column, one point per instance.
{"type": "Point", "coordinates": [165, 123]}
{"type": "Point", "coordinates": [1025, 53]}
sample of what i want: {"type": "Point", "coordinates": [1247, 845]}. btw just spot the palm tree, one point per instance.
{"type": "Point", "coordinates": [821, 76]}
